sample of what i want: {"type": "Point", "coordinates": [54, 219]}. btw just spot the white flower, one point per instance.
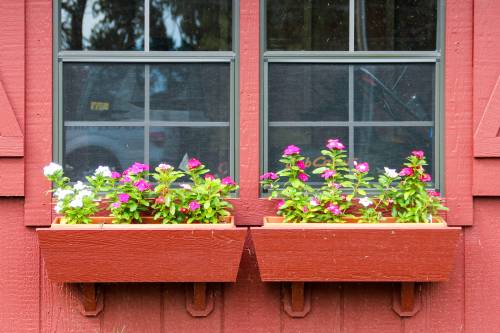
{"type": "Point", "coordinates": [186, 187]}
{"type": "Point", "coordinates": [79, 186]}
{"type": "Point", "coordinates": [76, 203]}
{"type": "Point", "coordinates": [51, 169]}
{"type": "Point", "coordinates": [164, 166]}
{"type": "Point", "coordinates": [103, 171]}
{"type": "Point", "coordinates": [58, 208]}
{"type": "Point", "coordinates": [84, 193]}
{"type": "Point", "coordinates": [391, 173]}
{"type": "Point", "coordinates": [365, 201]}
{"type": "Point", "coordinates": [314, 202]}
{"type": "Point", "coordinates": [61, 194]}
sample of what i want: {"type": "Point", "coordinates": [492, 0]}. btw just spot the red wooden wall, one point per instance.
{"type": "Point", "coordinates": [470, 302]}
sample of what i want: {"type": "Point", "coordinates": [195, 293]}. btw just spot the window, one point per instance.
{"type": "Point", "coordinates": [145, 80]}
{"type": "Point", "coordinates": [367, 72]}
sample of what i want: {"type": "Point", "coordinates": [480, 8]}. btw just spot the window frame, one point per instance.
{"type": "Point", "coordinates": [146, 57]}
{"type": "Point", "coordinates": [352, 58]}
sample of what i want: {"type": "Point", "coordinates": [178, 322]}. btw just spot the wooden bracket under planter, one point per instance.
{"type": "Point", "coordinates": [406, 299]}
{"type": "Point", "coordinates": [296, 298]}
{"type": "Point", "coordinates": [200, 299]}
{"type": "Point", "coordinates": [91, 299]}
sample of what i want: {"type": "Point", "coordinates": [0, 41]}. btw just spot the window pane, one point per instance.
{"type": "Point", "coordinates": [389, 146]}
{"type": "Point", "coordinates": [85, 148]}
{"type": "Point", "coordinates": [176, 145]}
{"type": "Point", "coordinates": [102, 25]}
{"type": "Point", "coordinates": [310, 139]}
{"type": "Point", "coordinates": [190, 92]}
{"type": "Point", "coordinates": [397, 25]}
{"type": "Point", "coordinates": [307, 25]}
{"type": "Point", "coordinates": [308, 92]}
{"type": "Point", "coordinates": [93, 92]}
{"type": "Point", "coordinates": [388, 92]}
{"type": "Point", "coordinates": [194, 25]}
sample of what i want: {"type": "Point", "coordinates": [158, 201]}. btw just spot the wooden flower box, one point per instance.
{"type": "Point", "coordinates": [383, 252]}
{"type": "Point", "coordinates": [147, 252]}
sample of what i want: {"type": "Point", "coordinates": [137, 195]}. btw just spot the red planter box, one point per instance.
{"type": "Point", "coordinates": [315, 252]}
{"type": "Point", "coordinates": [105, 252]}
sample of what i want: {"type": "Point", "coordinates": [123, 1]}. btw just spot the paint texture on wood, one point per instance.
{"type": "Point", "coordinates": [355, 252]}
{"type": "Point", "coordinates": [487, 135]}
{"type": "Point", "coordinates": [142, 253]}
{"type": "Point", "coordinates": [11, 136]}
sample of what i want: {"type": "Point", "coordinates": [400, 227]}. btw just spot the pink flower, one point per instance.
{"type": "Point", "coordinates": [418, 153]}
{"type": "Point", "coordinates": [335, 144]}
{"type": "Point", "coordinates": [115, 175]}
{"type": "Point", "coordinates": [314, 202]}
{"type": "Point", "coordinates": [291, 149]}
{"type": "Point", "coordinates": [303, 177]}
{"type": "Point", "coordinates": [165, 167]}
{"type": "Point", "coordinates": [227, 181]}
{"type": "Point", "coordinates": [305, 209]}
{"type": "Point", "coordinates": [406, 172]}
{"type": "Point", "coordinates": [433, 193]}
{"type": "Point", "coordinates": [328, 174]}
{"type": "Point", "coordinates": [280, 203]}
{"type": "Point", "coordinates": [193, 164]}
{"type": "Point", "coordinates": [425, 178]}
{"type": "Point", "coordinates": [194, 205]}
{"type": "Point", "coordinates": [123, 197]}
{"type": "Point", "coordinates": [141, 185]}
{"type": "Point", "coordinates": [301, 165]}
{"type": "Point", "coordinates": [125, 179]}
{"type": "Point", "coordinates": [269, 175]}
{"type": "Point", "coordinates": [136, 168]}
{"type": "Point", "coordinates": [115, 205]}
{"type": "Point", "coordinates": [209, 176]}
{"type": "Point", "coordinates": [362, 167]}
{"type": "Point", "coordinates": [334, 209]}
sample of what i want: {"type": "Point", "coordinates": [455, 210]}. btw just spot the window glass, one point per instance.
{"type": "Point", "coordinates": [295, 25]}
{"type": "Point", "coordinates": [102, 25]}
{"type": "Point", "coordinates": [395, 25]}
{"type": "Point", "coordinates": [195, 25]}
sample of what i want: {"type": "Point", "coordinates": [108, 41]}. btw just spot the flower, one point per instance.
{"type": "Point", "coordinates": [115, 175]}
{"type": "Point", "coordinates": [51, 169]}
{"type": "Point", "coordinates": [391, 173]}
{"type": "Point", "coordinates": [186, 187]}
{"type": "Point", "coordinates": [365, 201]}
{"type": "Point", "coordinates": [314, 202]}
{"type": "Point", "coordinates": [141, 185]}
{"type": "Point", "coordinates": [136, 168]}
{"type": "Point", "coordinates": [425, 178]}
{"type": "Point", "coordinates": [103, 171]}
{"type": "Point", "coordinates": [76, 203]}
{"type": "Point", "coordinates": [125, 179]}
{"type": "Point", "coordinates": [418, 154]}
{"type": "Point", "coordinates": [194, 205]}
{"type": "Point", "coordinates": [58, 208]}
{"type": "Point", "coordinates": [433, 193]}
{"type": "Point", "coordinates": [335, 144]}
{"type": "Point", "coordinates": [269, 175]}
{"type": "Point", "coordinates": [160, 200]}
{"type": "Point", "coordinates": [193, 164]}
{"type": "Point", "coordinates": [123, 197]}
{"type": "Point", "coordinates": [291, 150]}
{"type": "Point", "coordinates": [334, 209]}
{"type": "Point", "coordinates": [84, 193]}
{"type": "Point", "coordinates": [209, 176]}
{"type": "Point", "coordinates": [303, 177]}
{"type": "Point", "coordinates": [362, 167]}
{"type": "Point", "coordinates": [305, 209]}
{"type": "Point", "coordinates": [280, 203]}
{"type": "Point", "coordinates": [301, 165]}
{"type": "Point", "coordinates": [116, 205]}
{"type": "Point", "coordinates": [79, 186]}
{"type": "Point", "coordinates": [165, 167]}
{"type": "Point", "coordinates": [336, 185]}
{"type": "Point", "coordinates": [328, 174]}
{"type": "Point", "coordinates": [227, 181]}
{"type": "Point", "coordinates": [61, 194]}
{"type": "Point", "coordinates": [406, 172]}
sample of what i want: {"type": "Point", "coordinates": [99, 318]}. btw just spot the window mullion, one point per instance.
{"type": "Point", "coordinates": [146, 25]}
{"type": "Point", "coordinates": [351, 114]}
{"type": "Point", "coordinates": [146, 113]}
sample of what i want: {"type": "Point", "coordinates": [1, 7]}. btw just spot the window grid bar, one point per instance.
{"type": "Point", "coordinates": [146, 25]}
{"type": "Point", "coordinates": [146, 113]}
{"type": "Point", "coordinates": [351, 54]}
{"type": "Point", "coordinates": [152, 123]}
{"type": "Point", "coordinates": [347, 60]}
{"type": "Point", "coordinates": [351, 115]}
{"type": "Point", "coordinates": [350, 123]}
{"type": "Point", "coordinates": [351, 25]}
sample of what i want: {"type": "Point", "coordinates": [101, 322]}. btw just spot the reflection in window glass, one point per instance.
{"type": "Point", "coordinates": [389, 146]}
{"type": "Point", "coordinates": [394, 92]}
{"type": "Point", "coordinates": [85, 148]}
{"type": "Point", "coordinates": [190, 92]}
{"type": "Point", "coordinates": [395, 25]}
{"type": "Point", "coordinates": [102, 25]}
{"type": "Point", "coordinates": [308, 92]}
{"type": "Point", "coordinates": [295, 25]}
{"type": "Point", "coordinates": [103, 92]}
{"type": "Point", "coordinates": [176, 145]}
{"type": "Point", "coordinates": [195, 25]}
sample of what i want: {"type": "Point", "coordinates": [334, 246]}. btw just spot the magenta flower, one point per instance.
{"type": "Point", "coordinates": [334, 209]}
{"type": "Point", "coordinates": [301, 165]}
{"type": "Point", "coordinates": [141, 185]}
{"type": "Point", "coordinates": [418, 153]}
{"type": "Point", "coordinates": [305, 209]}
{"type": "Point", "coordinates": [123, 197]}
{"type": "Point", "coordinates": [209, 176]}
{"type": "Point", "coordinates": [193, 164]}
{"type": "Point", "coordinates": [115, 175]}
{"type": "Point", "coordinates": [194, 205]}
{"type": "Point", "coordinates": [425, 178]}
{"type": "Point", "coordinates": [115, 205]}
{"type": "Point", "coordinates": [290, 150]}
{"type": "Point", "coordinates": [303, 177]}
{"type": "Point", "coordinates": [327, 174]}
{"type": "Point", "coordinates": [269, 175]}
{"type": "Point", "coordinates": [433, 193]}
{"type": "Point", "coordinates": [136, 168]}
{"type": "Point", "coordinates": [228, 181]}
{"type": "Point", "coordinates": [125, 179]}
{"type": "Point", "coordinates": [406, 172]}
{"type": "Point", "coordinates": [335, 144]}
{"type": "Point", "coordinates": [336, 185]}
{"type": "Point", "coordinates": [362, 167]}
{"type": "Point", "coordinates": [280, 203]}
